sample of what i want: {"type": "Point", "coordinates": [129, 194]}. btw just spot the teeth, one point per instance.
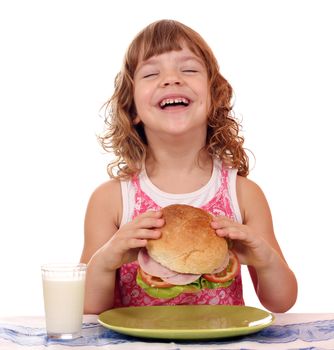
{"type": "Point", "coordinates": [171, 101]}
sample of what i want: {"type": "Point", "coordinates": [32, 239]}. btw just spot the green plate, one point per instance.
{"type": "Point", "coordinates": [186, 321]}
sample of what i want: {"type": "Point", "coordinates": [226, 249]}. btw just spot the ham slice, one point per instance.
{"type": "Point", "coordinates": [151, 266]}
{"type": "Point", "coordinates": [181, 279]}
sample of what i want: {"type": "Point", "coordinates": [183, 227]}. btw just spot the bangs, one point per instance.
{"type": "Point", "coordinates": [163, 40]}
{"type": "Point", "coordinates": [161, 37]}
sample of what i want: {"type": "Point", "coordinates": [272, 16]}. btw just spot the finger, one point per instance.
{"type": "Point", "coordinates": [152, 213]}
{"type": "Point", "coordinates": [226, 225]}
{"type": "Point", "coordinates": [136, 243]}
{"type": "Point", "coordinates": [142, 237]}
{"type": "Point", "coordinates": [221, 221]}
{"type": "Point", "coordinates": [148, 222]}
{"type": "Point", "coordinates": [147, 234]}
{"type": "Point", "coordinates": [222, 232]}
{"type": "Point", "coordinates": [139, 239]}
{"type": "Point", "coordinates": [232, 233]}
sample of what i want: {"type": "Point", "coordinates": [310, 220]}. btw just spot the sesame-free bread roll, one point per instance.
{"type": "Point", "coordinates": [188, 243]}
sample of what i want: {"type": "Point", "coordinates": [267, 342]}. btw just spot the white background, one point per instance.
{"type": "Point", "coordinates": [58, 62]}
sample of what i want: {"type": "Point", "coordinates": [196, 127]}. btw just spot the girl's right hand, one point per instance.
{"type": "Point", "coordinates": [124, 245]}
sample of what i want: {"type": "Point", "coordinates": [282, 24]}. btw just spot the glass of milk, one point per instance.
{"type": "Point", "coordinates": [63, 290]}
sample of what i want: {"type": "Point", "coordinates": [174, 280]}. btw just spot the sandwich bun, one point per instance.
{"type": "Point", "coordinates": [188, 243]}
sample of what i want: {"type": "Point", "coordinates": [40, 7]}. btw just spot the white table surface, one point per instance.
{"type": "Point", "coordinates": [289, 331]}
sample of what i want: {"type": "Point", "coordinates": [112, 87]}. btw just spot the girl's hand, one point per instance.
{"type": "Point", "coordinates": [250, 247]}
{"type": "Point", "coordinates": [124, 245]}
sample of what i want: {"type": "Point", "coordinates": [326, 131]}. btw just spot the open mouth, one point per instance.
{"type": "Point", "coordinates": [174, 102]}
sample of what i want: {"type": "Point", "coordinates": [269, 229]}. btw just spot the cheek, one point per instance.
{"type": "Point", "coordinates": [206, 102]}
{"type": "Point", "coordinates": [203, 90]}
{"type": "Point", "coordinates": [137, 101]}
{"type": "Point", "coordinates": [142, 98]}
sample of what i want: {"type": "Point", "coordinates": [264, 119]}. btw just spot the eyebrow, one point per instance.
{"type": "Point", "coordinates": [153, 60]}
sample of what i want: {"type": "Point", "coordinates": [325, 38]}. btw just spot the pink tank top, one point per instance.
{"type": "Point", "coordinates": [127, 291]}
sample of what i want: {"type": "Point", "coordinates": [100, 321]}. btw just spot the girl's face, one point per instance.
{"type": "Point", "coordinates": [172, 94]}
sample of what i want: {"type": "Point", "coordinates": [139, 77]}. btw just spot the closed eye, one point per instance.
{"type": "Point", "coordinates": [149, 75]}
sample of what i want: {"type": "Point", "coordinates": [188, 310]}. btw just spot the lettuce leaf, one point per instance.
{"type": "Point", "coordinates": [172, 292]}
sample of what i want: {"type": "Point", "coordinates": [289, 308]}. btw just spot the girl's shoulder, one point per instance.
{"type": "Point", "coordinates": [247, 187]}
{"type": "Point", "coordinates": [252, 200]}
{"type": "Point", "coordinates": [106, 199]}
{"type": "Point", "coordinates": [102, 218]}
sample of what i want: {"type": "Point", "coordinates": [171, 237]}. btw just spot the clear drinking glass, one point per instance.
{"type": "Point", "coordinates": [63, 290]}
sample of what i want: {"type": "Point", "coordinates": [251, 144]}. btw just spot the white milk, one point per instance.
{"type": "Point", "coordinates": [63, 302]}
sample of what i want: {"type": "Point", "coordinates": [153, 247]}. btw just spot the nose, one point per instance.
{"type": "Point", "coordinates": [171, 78]}
{"type": "Point", "coordinates": [171, 82]}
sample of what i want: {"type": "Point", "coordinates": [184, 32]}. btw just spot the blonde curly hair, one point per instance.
{"type": "Point", "coordinates": [128, 142]}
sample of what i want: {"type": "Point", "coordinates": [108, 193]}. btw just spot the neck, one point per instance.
{"type": "Point", "coordinates": [178, 163]}
{"type": "Point", "coordinates": [179, 170]}
{"type": "Point", "coordinates": [181, 158]}
{"type": "Point", "coordinates": [178, 152]}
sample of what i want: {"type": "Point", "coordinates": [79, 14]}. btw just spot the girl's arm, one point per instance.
{"type": "Point", "coordinates": [257, 247]}
{"type": "Point", "coordinates": [108, 246]}
{"type": "Point", "coordinates": [101, 222]}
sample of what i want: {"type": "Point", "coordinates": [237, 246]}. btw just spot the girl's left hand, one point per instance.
{"type": "Point", "coordinates": [250, 247]}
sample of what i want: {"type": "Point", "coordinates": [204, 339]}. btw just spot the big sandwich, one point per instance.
{"type": "Point", "coordinates": [188, 257]}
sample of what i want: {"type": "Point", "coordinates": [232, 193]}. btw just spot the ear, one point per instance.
{"type": "Point", "coordinates": [136, 120]}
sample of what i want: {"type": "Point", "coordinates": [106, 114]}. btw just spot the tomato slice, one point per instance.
{"type": "Point", "coordinates": [227, 274]}
{"type": "Point", "coordinates": [153, 281]}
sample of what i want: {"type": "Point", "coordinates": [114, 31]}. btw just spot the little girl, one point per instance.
{"type": "Point", "coordinates": [174, 138]}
